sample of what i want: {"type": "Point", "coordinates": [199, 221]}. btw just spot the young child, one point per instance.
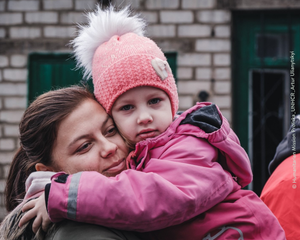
{"type": "Point", "coordinates": [185, 170]}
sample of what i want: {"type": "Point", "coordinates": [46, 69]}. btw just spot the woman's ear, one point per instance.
{"type": "Point", "coordinates": [42, 167]}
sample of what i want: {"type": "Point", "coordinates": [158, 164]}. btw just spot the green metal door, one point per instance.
{"type": "Point", "coordinates": [50, 71]}
{"type": "Point", "coordinates": [263, 42]}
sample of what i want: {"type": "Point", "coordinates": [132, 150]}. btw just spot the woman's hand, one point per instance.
{"type": "Point", "coordinates": [36, 208]}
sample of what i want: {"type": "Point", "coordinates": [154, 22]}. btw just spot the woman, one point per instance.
{"type": "Point", "coordinates": [69, 115]}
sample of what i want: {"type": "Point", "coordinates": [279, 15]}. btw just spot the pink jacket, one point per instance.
{"type": "Point", "coordinates": [184, 176]}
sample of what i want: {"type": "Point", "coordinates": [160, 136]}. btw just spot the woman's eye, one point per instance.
{"type": "Point", "coordinates": [111, 131]}
{"type": "Point", "coordinates": [84, 147]}
{"type": "Point", "coordinates": [126, 107]}
{"type": "Point", "coordinates": [154, 101]}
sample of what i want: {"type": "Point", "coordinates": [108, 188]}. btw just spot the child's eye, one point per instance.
{"type": "Point", "coordinates": [126, 108]}
{"type": "Point", "coordinates": [154, 101]}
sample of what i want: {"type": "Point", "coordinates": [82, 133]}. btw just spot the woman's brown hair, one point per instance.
{"type": "Point", "coordinates": [38, 131]}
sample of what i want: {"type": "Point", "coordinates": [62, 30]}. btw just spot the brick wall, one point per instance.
{"type": "Point", "coordinates": [198, 30]}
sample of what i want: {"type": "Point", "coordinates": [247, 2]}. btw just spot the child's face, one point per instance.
{"type": "Point", "coordinates": [142, 112]}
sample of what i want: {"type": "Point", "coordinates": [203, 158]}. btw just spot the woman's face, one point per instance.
{"type": "Point", "coordinates": [87, 140]}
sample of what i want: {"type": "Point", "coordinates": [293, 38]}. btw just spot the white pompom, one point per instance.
{"type": "Point", "coordinates": [102, 25]}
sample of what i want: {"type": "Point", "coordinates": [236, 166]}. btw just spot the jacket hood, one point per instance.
{"type": "Point", "coordinates": [288, 146]}
{"type": "Point", "coordinates": [35, 183]}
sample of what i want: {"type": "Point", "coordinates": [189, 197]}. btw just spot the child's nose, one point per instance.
{"type": "Point", "coordinates": [145, 118]}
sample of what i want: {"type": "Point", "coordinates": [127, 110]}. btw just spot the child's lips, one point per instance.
{"type": "Point", "coordinates": [147, 133]}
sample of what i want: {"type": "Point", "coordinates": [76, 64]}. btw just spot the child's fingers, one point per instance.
{"type": "Point", "coordinates": [45, 224]}
{"type": "Point", "coordinates": [27, 216]}
{"type": "Point", "coordinates": [29, 205]}
{"type": "Point", "coordinates": [36, 224]}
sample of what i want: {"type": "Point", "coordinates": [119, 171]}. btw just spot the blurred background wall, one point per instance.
{"type": "Point", "coordinates": [235, 53]}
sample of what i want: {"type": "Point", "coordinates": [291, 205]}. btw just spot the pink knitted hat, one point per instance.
{"type": "Point", "coordinates": [114, 51]}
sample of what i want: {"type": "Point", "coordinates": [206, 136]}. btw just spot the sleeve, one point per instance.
{"type": "Point", "coordinates": [176, 187]}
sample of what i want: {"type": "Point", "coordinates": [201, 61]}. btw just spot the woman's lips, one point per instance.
{"type": "Point", "coordinates": [117, 167]}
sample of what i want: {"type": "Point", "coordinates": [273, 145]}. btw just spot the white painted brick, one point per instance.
{"type": "Point", "coordinates": [18, 60]}
{"type": "Point", "coordinates": [2, 196]}
{"type": "Point", "coordinates": [135, 4]}
{"type": "Point", "coordinates": [151, 17]}
{"type": "Point", "coordinates": [2, 6]}
{"type": "Point", "coordinates": [176, 16]}
{"type": "Point", "coordinates": [11, 116]}
{"type": "Point", "coordinates": [3, 61]}
{"type": "Point", "coordinates": [85, 4]}
{"type": "Point", "coordinates": [11, 130]}
{"type": "Point", "coordinates": [6, 169]}
{"type": "Point", "coordinates": [193, 59]}
{"type": "Point", "coordinates": [193, 87]}
{"type": "Point", "coordinates": [198, 4]}
{"type": "Point", "coordinates": [57, 4]}
{"type": "Point", "coordinates": [10, 18]}
{"type": "Point", "coordinates": [24, 32]}
{"type": "Point", "coordinates": [269, 4]}
{"type": "Point", "coordinates": [41, 17]}
{"type": "Point", "coordinates": [59, 32]}
{"type": "Point", "coordinates": [159, 4]}
{"type": "Point", "coordinates": [161, 31]}
{"type": "Point", "coordinates": [2, 33]}
{"type": "Point", "coordinates": [169, 45]}
{"type": "Point", "coordinates": [15, 102]}
{"type": "Point", "coordinates": [222, 31]}
{"type": "Point", "coordinates": [73, 17]}
{"type": "Point", "coordinates": [6, 157]}
{"type": "Point", "coordinates": [204, 73]}
{"type": "Point", "coordinates": [221, 59]}
{"type": "Point", "coordinates": [226, 114]}
{"type": "Point", "coordinates": [3, 212]}
{"type": "Point", "coordinates": [10, 74]}
{"type": "Point", "coordinates": [18, 144]}
{"type": "Point", "coordinates": [9, 89]}
{"type": "Point", "coordinates": [2, 185]}
{"type": "Point", "coordinates": [222, 87]}
{"type": "Point", "coordinates": [212, 45]}
{"type": "Point", "coordinates": [222, 101]}
{"type": "Point", "coordinates": [222, 73]}
{"type": "Point", "coordinates": [7, 144]}
{"type": "Point", "coordinates": [184, 73]}
{"type": "Point", "coordinates": [23, 5]}
{"type": "Point", "coordinates": [185, 102]}
{"type": "Point", "coordinates": [215, 16]}
{"type": "Point", "coordinates": [195, 30]}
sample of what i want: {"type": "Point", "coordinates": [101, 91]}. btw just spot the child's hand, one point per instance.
{"type": "Point", "coordinates": [36, 208]}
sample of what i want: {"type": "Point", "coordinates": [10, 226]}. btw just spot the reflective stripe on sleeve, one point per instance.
{"type": "Point", "coordinates": [72, 197]}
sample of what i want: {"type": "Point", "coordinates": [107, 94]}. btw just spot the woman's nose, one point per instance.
{"type": "Point", "coordinates": [108, 149]}
{"type": "Point", "coordinates": [144, 118]}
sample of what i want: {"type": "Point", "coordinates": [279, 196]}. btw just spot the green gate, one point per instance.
{"type": "Point", "coordinates": [262, 44]}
